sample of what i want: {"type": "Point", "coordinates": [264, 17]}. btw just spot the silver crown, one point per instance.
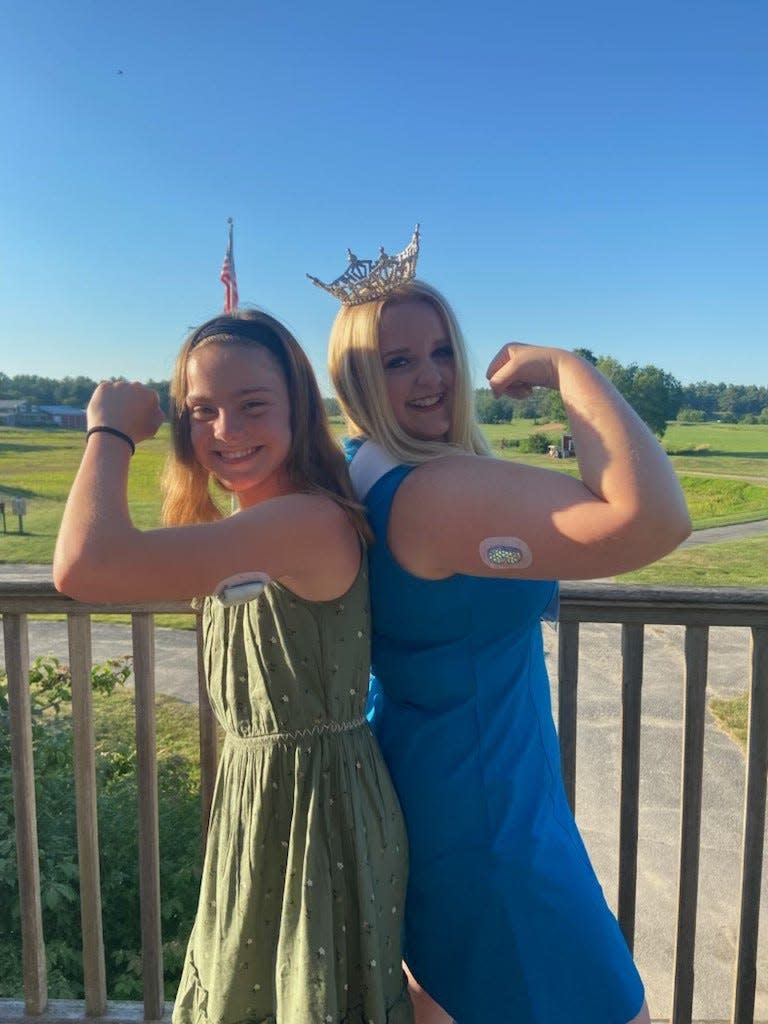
{"type": "Point", "coordinates": [368, 280]}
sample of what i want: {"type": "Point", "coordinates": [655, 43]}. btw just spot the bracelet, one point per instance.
{"type": "Point", "coordinates": [114, 432]}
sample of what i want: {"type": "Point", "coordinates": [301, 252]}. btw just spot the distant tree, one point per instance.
{"type": "Point", "coordinates": [332, 407]}
{"type": "Point", "coordinates": [553, 408]}
{"type": "Point", "coordinates": [526, 408]}
{"type": "Point", "coordinates": [654, 394]}
{"type": "Point", "coordinates": [586, 353]}
{"type": "Point", "coordinates": [163, 388]}
{"type": "Point", "coordinates": [34, 389]}
{"type": "Point", "coordinates": [490, 409]}
{"type": "Point", "coordinates": [75, 391]}
{"type": "Point", "coordinates": [702, 396]}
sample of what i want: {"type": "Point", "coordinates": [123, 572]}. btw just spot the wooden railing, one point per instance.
{"type": "Point", "coordinates": [695, 609]}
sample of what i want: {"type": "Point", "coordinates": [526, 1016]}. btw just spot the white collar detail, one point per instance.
{"type": "Point", "coordinates": [369, 465]}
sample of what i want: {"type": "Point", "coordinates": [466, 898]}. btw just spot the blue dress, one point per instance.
{"type": "Point", "coordinates": [505, 919]}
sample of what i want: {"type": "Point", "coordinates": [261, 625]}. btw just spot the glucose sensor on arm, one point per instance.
{"type": "Point", "coordinates": [242, 587]}
{"type": "Point", "coordinates": [505, 553]}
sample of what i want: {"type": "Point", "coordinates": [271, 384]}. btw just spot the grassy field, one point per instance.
{"type": "Point", "coordinates": [722, 472]}
{"type": "Point", "coordinates": [722, 449]}
{"type": "Point", "coordinates": [39, 465]}
{"type": "Point", "coordinates": [733, 563]}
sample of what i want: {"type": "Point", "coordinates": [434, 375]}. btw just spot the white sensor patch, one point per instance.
{"type": "Point", "coordinates": [242, 587]}
{"type": "Point", "coordinates": [505, 553]}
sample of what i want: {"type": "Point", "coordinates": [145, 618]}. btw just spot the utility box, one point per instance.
{"type": "Point", "coordinates": [19, 508]}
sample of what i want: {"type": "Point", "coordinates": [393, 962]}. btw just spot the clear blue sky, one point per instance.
{"type": "Point", "coordinates": [585, 174]}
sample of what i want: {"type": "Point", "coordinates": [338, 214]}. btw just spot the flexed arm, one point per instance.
{"type": "Point", "coordinates": [620, 461]}
{"type": "Point", "coordinates": [303, 540]}
{"type": "Point", "coordinates": [626, 510]}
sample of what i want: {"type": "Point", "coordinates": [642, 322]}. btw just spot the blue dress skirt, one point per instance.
{"type": "Point", "coordinates": [505, 919]}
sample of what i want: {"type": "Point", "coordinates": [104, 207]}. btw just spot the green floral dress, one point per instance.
{"type": "Point", "coordinates": [303, 885]}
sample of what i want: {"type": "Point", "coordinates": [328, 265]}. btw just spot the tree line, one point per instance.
{"type": "Point", "coordinates": [72, 391]}
{"type": "Point", "coordinates": [656, 395]}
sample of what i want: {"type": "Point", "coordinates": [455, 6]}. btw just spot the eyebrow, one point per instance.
{"type": "Point", "coordinates": [407, 348]}
{"type": "Point", "coordinates": [241, 392]}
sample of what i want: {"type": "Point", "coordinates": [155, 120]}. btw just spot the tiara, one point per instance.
{"type": "Point", "coordinates": [368, 280]}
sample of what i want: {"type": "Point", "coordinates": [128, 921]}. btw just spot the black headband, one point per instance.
{"type": "Point", "coordinates": [252, 330]}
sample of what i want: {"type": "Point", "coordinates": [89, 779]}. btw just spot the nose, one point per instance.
{"type": "Point", "coordinates": [228, 425]}
{"type": "Point", "coordinates": [430, 374]}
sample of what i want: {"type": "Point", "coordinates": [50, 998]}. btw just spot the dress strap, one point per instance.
{"type": "Point", "coordinates": [369, 464]}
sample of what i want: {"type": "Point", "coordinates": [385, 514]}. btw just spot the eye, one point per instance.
{"type": "Point", "coordinates": [395, 362]}
{"type": "Point", "coordinates": [254, 405]}
{"type": "Point", "coordinates": [201, 412]}
{"type": "Point", "coordinates": [443, 352]}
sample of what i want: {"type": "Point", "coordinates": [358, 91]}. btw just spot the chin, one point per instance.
{"type": "Point", "coordinates": [431, 435]}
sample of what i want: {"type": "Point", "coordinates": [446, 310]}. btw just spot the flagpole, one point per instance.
{"type": "Point", "coordinates": [228, 277]}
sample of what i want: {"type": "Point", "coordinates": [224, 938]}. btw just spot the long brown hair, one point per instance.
{"type": "Point", "coordinates": [315, 462]}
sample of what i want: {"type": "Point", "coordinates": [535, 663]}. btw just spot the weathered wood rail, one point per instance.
{"type": "Point", "coordinates": [695, 609]}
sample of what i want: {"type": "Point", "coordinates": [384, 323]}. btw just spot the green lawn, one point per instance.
{"type": "Point", "coordinates": [719, 501]}
{"type": "Point", "coordinates": [733, 563]}
{"type": "Point", "coordinates": [722, 449]}
{"type": "Point", "coordinates": [39, 465]}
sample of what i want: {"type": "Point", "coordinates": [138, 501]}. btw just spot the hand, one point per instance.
{"type": "Point", "coordinates": [517, 368]}
{"type": "Point", "coordinates": [128, 406]}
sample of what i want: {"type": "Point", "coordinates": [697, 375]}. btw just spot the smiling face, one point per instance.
{"type": "Point", "coordinates": [240, 419]}
{"type": "Point", "coordinates": [418, 362]}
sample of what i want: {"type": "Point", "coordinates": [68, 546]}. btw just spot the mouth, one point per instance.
{"type": "Point", "coordinates": [427, 402]}
{"type": "Point", "coordinates": [236, 454]}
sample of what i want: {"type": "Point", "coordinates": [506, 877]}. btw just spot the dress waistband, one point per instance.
{"type": "Point", "coordinates": [296, 734]}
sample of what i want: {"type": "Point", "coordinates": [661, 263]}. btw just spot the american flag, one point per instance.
{"type": "Point", "coordinates": [228, 277]}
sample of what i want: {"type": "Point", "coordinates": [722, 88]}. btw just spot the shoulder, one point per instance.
{"type": "Point", "coordinates": [313, 511]}
{"type": "Point", "coordinates": [451, 476]}
{"type": "Point", "coordinates": [316, 549]}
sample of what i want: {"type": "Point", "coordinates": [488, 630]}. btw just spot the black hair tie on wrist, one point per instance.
{"type": "Point", "coordinates": [115, 432]}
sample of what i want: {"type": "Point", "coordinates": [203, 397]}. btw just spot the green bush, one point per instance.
{"type": "Point", "coordinates": [538, 442]}
{"type": "Point", "coordinates": [686, 415]}
{"type": "Point", "coordinates": [50, 690]}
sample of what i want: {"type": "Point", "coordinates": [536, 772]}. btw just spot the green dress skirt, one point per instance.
{"type": "Point", "coordinates": [303, 884]}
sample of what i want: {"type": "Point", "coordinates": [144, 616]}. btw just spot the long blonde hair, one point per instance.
{"type": "Point", "coordinates": [315, 462]}
{"type": "Point", "coordinates": [357, 374]}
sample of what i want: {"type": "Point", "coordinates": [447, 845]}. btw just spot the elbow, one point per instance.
{"type": "Point", "coordinates": [685, 527]}
{"type": "Point", "coordinates": [68, 580]}
{"type": "Point", "coordinates": [73, 576]}
{"type": "Point", "coordinates": [677, 525]}
{"type": "Point", "coordinates": [666, 532]}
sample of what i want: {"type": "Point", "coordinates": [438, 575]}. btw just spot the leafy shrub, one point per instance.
{"type": "Point", "coordinates": [538, 442]}
{"type": "Point", "coordinates": [696, 449]}
{"type": "Point", "coordinates": [51, 695]}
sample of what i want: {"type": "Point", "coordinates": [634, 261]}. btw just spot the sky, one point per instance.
{"type": "Point", "coordinates": [586, 174]}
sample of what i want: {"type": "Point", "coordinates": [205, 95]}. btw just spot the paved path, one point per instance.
{"type": "Point", "coordinates": [598, 753]}
{"type": "Point", "coordinates": [718, 533]}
